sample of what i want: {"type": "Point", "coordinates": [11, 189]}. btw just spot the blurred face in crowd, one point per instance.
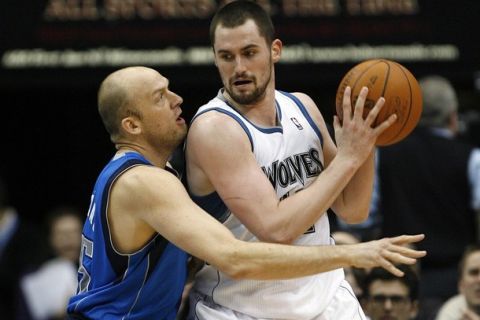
{"type": "Point", "coordinates": [65, 237]}
{"type": "Point", "coordinates": [469, 284]}
{"type": "Point", "coordinates": [389, 300]}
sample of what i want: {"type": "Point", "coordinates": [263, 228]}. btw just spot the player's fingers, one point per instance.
{"type": "Point", "coordinates": [360, 103]}
{"type": "Point", "coordinates": [407, 239]}
{"type": "Point", "coordinates": [347, 104]}
{"type": "Point", "coordinates": [387, 265]}
{"type": "Point", "coordinates": [336, 123]}
{"type": "Point", "coordinates": [398, 258]}
{"type": "Point", "coordinates": [385, 124]}
{"type": "Point", "coordinates": [372, 115]}
{"type": "Point", "coordinates": [408, 252]}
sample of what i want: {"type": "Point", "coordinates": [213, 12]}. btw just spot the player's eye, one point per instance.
{"type": "Point", "coordinates": [226, 57]}
{"type": "Point", "coordinates": [159, 96]}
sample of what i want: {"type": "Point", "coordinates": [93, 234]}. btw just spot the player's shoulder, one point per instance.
{"type": "Point", "coordinates": [310, 106]}
{"type": "Point", "coordinates": [307, 102]}
{"type": "Point", "coordinates": [215, 104]}
{"type": "Point", "coordinates": [142, 177]}
{"type": "Point", "coordinates": [216, 124]}
{"type": "Point", "coordinates": [297, 97]}
{"type": "Point", "coordinates": [212, 116]}
{"type": "Point", "coordinates": [304, 98]}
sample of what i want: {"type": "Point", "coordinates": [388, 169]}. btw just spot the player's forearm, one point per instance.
{"type": "Point", "coordinates": [353, 203]}
{"type": "Point", "coordinates": [298, 213]}
{"type": "Point", "coordinates": [272, 261]}
{"type": "Point", "coordinates": [264, 261]}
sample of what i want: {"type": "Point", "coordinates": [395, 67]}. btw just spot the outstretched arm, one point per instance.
{"type": "Point", "coordinates": [155, 198]}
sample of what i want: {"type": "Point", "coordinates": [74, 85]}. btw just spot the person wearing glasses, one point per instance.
{"type": "Point", "coordinates": [390, 297]}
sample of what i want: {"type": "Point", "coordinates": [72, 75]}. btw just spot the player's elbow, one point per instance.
{"type": "Point", "coordinates": [281, 238]}
{"type": "Point", "coordinates": [237, 263]}
{"type": "Point", "coordinates": [274, 231]}
{"type": "Point", "coordinates": [355, 220]}
{"type": "Point", "coordinates": [279, 235]}
{"type": "Point", "coordinates": [236, 271]}
{"type": "Point", "coordinates": [355, 216]}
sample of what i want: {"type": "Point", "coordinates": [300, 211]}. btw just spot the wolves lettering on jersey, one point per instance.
{"type": "Point", "coordinates": [299, 166]}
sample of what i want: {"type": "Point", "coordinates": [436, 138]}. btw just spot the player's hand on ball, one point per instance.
{"type": "Point", "coordinates": [355, 134]}
{"type": "Point", "coordinates": [389, 80]}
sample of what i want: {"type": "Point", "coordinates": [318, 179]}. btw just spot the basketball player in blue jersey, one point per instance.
{"type": "Point", "coordinates": [141, 221]}
{"type": "Point", "coordinates": [251, 150]}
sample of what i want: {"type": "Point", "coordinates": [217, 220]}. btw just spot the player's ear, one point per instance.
{"type": "Point", "coordinates": [214, 56]}
{"type": "Point", "coordinates": [131, 125]}
{"type": "Point", "coordinates": [276, 50]}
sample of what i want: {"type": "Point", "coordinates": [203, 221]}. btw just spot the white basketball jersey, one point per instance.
{"type": "Point", "coordinates": [291, 157]}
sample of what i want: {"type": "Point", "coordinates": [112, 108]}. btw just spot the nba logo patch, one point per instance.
{"type": "Point", "coordinates": [310, 230]}
{"type": "Point", "coordinates": [296, 123]}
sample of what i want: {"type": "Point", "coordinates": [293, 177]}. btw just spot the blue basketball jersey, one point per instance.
{"type": "Point", "coordinates": [146, 284]}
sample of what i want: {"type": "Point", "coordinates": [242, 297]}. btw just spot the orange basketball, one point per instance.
{"type": "Point", "coordinates": [391, 80]}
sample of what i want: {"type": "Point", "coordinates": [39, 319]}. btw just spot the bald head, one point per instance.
{"type": "Point", "coordinates": [118, 95]}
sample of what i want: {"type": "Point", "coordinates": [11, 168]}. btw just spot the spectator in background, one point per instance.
{"type": "Point", "coordinates": [21, 249]}
{"type": "Point", "coordinates": [466, 305]}
{"type": "Point", "coordinates": [46, 291]}
{"type": "Point", "coordinates": [390, 297]}
{"type": "Point", "coordinates": [430, 182]}
{"type": "Point", "coordinates": [469, 125]}
{"type": "Point", "coordinates": [64, 225]}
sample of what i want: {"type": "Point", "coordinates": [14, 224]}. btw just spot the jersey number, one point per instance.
{"type": "Point", "coordinates": [87, 250]}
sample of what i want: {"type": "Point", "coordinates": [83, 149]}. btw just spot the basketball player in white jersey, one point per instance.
{"type": "Point", "coordinates": [251, 150]}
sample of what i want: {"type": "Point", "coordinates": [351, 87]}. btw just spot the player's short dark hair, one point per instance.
{"type": "Point", "coordinates": [409, 279]}
{"type": "Point", "coordinates": [111, 100]}
{"type": "Point", "coordinates": [466, 253]}
{"type": "Point", "coordinates": [113, 105]}
{"type": "Point", "coordinates": [236, 13]}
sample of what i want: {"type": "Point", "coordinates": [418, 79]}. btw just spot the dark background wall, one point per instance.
{"type": "Point", "coordinates": [54, 144]}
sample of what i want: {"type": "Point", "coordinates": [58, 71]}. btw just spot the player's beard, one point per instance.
{"type": "Point", "coordinates": [178, 136]}
{"type": "Point", "coordinates": [250, 98]}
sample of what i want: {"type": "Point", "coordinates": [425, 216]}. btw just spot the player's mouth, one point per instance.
{"type": "Point", "coordinates": [179, 119]}
{"type": "Point", "coordinates": [242, 83]}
